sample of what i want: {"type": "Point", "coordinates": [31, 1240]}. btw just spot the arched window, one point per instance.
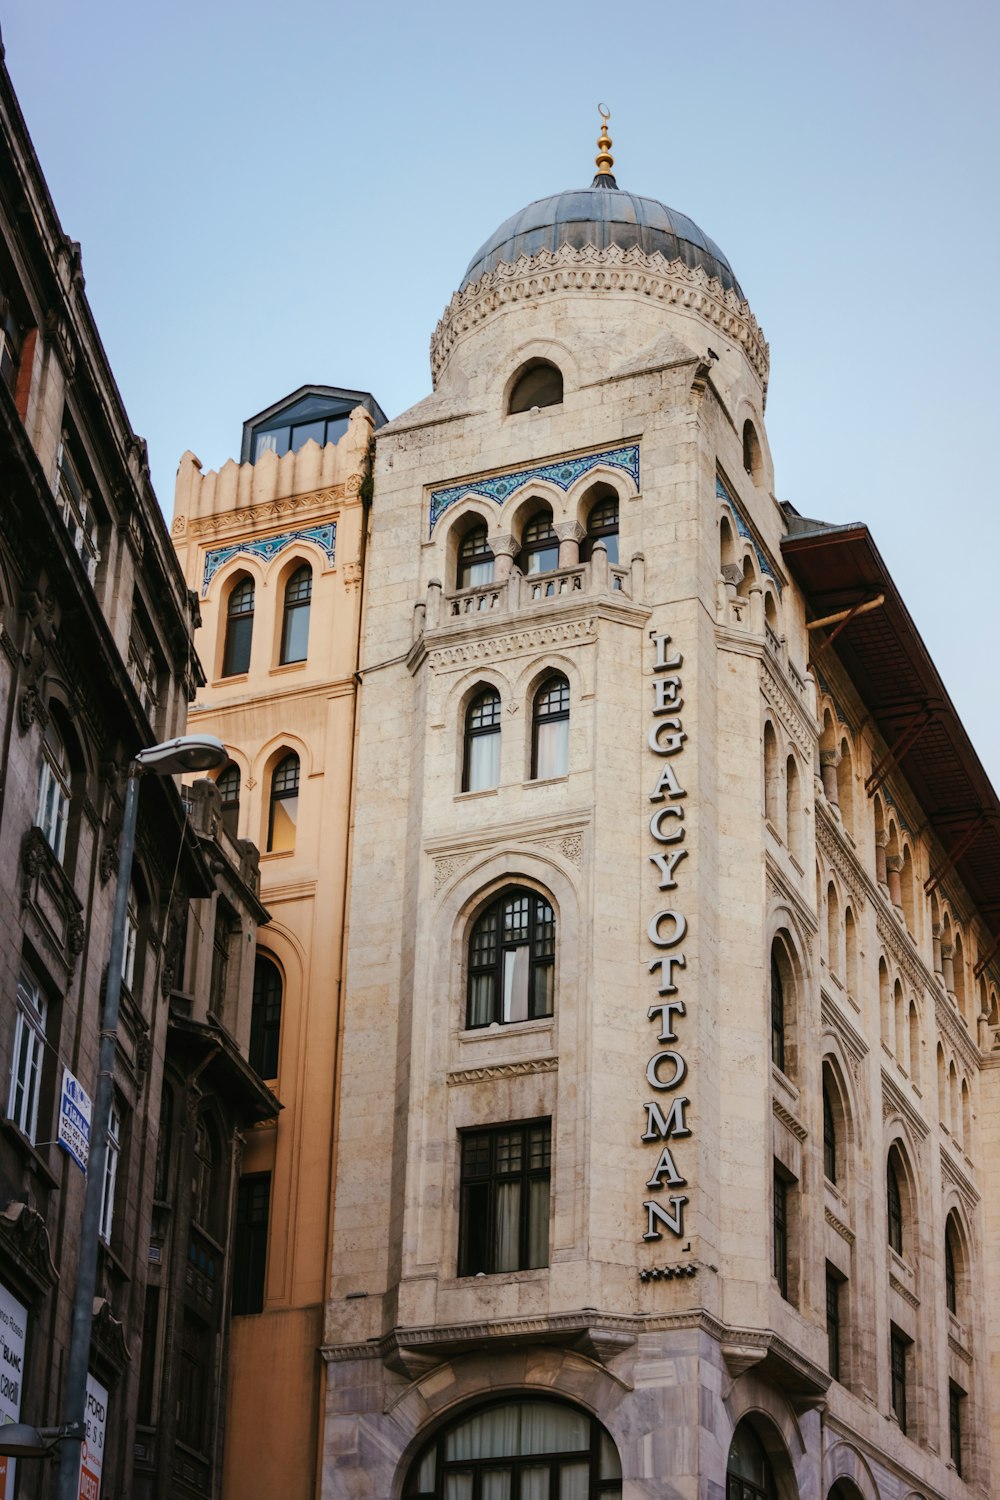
{"type": "Point", "coordinates": [829, 1134]}
{"type": "Point", "coordinates": [772, 778]}
{"type": "Point", "coordinates": [749, 1475]}
{"type": "Point", "coordinates": [793, 809]}
{"type": "Point", "coordinates": [602, 525]}
{"type": "Point", "coordinates": [295, 624]}
{"type": "Point", "coordinates": [481, 764]}
{"type": "Point", "coordinates": [950, 1266]}
{"type": "Point", "coordinates": [540, 385]}
{"type": "Point", "coordinates": [512, 952]}
{"type": "Point", "coordinates": [752, 460]}
{"type": "Point", "coordinates": [265, 1018]}
{"type": "Point", "coordinates": [284, 805]}
{"type": "Point", "coordinates": [52, 809]}
{"type": "Point", "coordinates": [228, 783]}
{"type": "Point", "coordinates": [535, 1449]}
{"type": "Point", "coordinates": [550, 729]}
{"type": "Point", "coordinates": [777, 1015]}
{"type": "Point", "coordinates": [239, 629]}
{"type": "Point", "coordinates": [894, 1204]}
{"type": "Point", "coordinates": [475, 559]}
{"type": "Point", "coordinates": [539, 545]}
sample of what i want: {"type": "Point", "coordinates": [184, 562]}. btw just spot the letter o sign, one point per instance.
{"type": "Point", "coordinates": [656, 936]}
{"type": "Point", "coordinates": [653, 1070]}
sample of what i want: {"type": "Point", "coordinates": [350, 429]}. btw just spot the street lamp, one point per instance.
{"type": "Point", "coordinates": [190, 752]}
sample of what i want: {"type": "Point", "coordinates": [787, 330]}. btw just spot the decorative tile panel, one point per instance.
{"type": "Point", "coordinates": [563, 472]}
{"type": "Point", "coordinates": [266, 547]}
{"type": "Point", "coordinates": [722, 493]}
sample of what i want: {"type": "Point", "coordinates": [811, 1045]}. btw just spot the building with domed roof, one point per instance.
{"type": "Point", "coordinates": [665, 1155]}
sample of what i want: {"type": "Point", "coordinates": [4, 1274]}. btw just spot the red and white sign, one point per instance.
{"type": "Point", "coordinates": [92, 1456]}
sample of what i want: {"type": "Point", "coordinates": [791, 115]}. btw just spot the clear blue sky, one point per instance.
{"type": "Point", "coordinates": [267, 196]}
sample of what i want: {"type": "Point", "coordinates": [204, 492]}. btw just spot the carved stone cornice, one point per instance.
{"type": "Point", "coordinates": [520, 1069]}
{"type": "Point", "coordinates": [25, 1240]}
{"type": "Point", "coordinates": [854, 1045]}
{"type": "Point", "coordinates": [842, 859]}
{"type": "Point", "coordinates": [839, 1226]}
{"type": "Point", "coordinates": [790, 894]}
{"type": "Point", "coordinates": [952, 1173]}
{"type": "Point", "coordinates": [565, 838]}
{"type": "Point", "coordinates": [904, 1291]}
{"type": "Point", "coordinates": [253, 517]}
{"type": "Point", "coordinates": [589, 270]}
{"type": "Point", "coordinates": [895, 1102]}
{"type": "Point", "coordinates": [789, 1121]}
{"type": "Point", "coordinates": [792, 711]}
{"type": "Point", "coordinates": [951, 1025]}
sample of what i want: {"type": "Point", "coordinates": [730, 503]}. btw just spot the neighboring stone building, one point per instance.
{"type": "Point", "coordinates": [668, 1126]}
{"type": "Point", "coordinates": [275, 548]}
{"type": "Point", "coordinates": [96, 663]}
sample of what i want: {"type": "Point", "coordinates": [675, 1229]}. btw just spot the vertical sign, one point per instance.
{"type": "Point", "coordinates": [92, 1454]}
{"type": "Point", "coordinates": [75, 1111]}
{"type": "Point", "coordinates": [13, 1329]}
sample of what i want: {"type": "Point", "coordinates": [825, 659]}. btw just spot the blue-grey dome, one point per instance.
{"type": "Point", "coordinates": [602, 216]}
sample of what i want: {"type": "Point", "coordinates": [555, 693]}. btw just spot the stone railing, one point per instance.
{"type": "Point", "coordinates": [524, 591]}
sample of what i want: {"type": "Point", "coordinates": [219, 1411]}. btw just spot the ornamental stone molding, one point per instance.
{"type": "Point", "coordinates": [516, 643]}
{"type": "Point", "coordinates": [951, 1025]}
{"type": "Point", "coordinates": [504, 1070]}
{"type": "Point", "coordinates": [953, 1176]}
{"type": "Point", "coordinates": [249, 517]}
{"type": "Point", "coordinates": [904, 1291]}
{"type": "Point", "coordinates": [747, 533]}
{"type": "Point", "coordinates": [789, 1121]}
{"type": "Point", "coordinates": [896, 1105]}
{"type": "Point", "coordinates": [791, 712]}
{"type": "Point", "coordinates": [854, 1045]}
{"type": "Point", "coordinates": [562, 472]}
{"type": "Point", "coordinates": [839, 1227]}
{"type": "Point", "coordinates": [588, 270]}
{"type": "Point", "coordinates": [267, 547]}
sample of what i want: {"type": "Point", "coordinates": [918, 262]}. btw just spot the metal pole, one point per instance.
{"type": "Point", "coordinates": [78, 1361]}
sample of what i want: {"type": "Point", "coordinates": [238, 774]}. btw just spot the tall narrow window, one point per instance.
{"type": "Point", "coordinates": [829, 1137]}
{"type": "Point", "coordinates": [550, 729]}
{"type": "Point", "coordinates": [239, 629]}
{"type": "Point", "coordinates": [512, 961]}
{"type": "Point", "coordinates": [894, 1207]}
{"type": "Point", "coordinates": [481, 766]}
{"type": "Point", "coordinates": [11, 339]}
{"type": "Point", "coordinates": [265, 1018]}
{"type": "Point", "coordinates": [898, 1351]}
{"type": "Point", "coordinates": [777, 1016]}
{"type": "Point", "coordinates": [194, 1381]}
{"type": "Point", "coordinates": [950, 1272]}
{"type": "Point", "coordinates": [284, 806]}
{"type": "Point", "coordinates": [295, 625]}
{"type": "Point", "coordinates": [77, 511]}
{"type": "Point", "coordinates": [539, 545]}
{"type": "Point", "coordinates": [602, 525]}
{"type": "Point", "coordinates": [956, 1403]}
{"type": "Point", "coordinates": [228, 783]}
{"type": "Point", "coordinates": [219, 981]}
{"type": "Point", "coordinates": [504, 1215]}
{"type": "Point", "coordinates": [475, 559]}
{"type": "Point", "coordinates": [780, 1233]}
{"type": "Point", "coordinates": [833, 1294]}
{"type": "Point", "coordinates": [253, 1202]}
{"type": "Point", "coordinates": [52, 809]}
{"type": "Point", "coordinates": [110, 1174]}
{"type": "Point", "coordinates": [29, 1050]}
{"type": "Point", "coordinates": [131, 939]}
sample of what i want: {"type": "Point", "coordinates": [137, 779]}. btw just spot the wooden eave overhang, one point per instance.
{"type": "Point", "coordinates": [209, 1045]}
{"type": "Point", "coordinates": [839, 567]}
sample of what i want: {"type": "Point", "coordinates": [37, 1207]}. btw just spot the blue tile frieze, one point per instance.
{"type": "Point", "coordinates": [563, 473]}
{"type": "Point", "coordinates": [722, 493]}
{"type": "Point", "coordinates": [266, 547]}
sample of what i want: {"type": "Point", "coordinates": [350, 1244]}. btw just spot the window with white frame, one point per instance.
{"type": "Point", "coordinates": [77, 511]}
{"type": "Point", "coordinates": [131, 938]}
{"type": "Point", "coordinates": [110, 1173]}
{"type": "Point", "coordinates": [52, 810]}
{"type": "Point", "coordinates": [29, 1051]}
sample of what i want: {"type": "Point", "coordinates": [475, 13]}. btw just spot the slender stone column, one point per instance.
{"type": "Point", "coordinates": [893, 864]}
{"type": "Point", "coordinates": [829, 760]}
{"type": "Point", "coordinates": [948, 968]}
{"type": "Point", "coordinates": [881, 840]}
{"type": "Point", "coordinates": [570, 534]}
{"type": "Point", "coordinates": [503, 548]}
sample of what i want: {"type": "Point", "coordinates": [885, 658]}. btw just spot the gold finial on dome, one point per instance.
{"type": "Point", "coordinates": [604, 160]}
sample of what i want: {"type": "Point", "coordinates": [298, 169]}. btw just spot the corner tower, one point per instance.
{"type": "Point", "coordinates": [557, 895]}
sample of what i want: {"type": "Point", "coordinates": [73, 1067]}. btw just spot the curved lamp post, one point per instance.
{"type": "Point", "coordinates": [190, 752]}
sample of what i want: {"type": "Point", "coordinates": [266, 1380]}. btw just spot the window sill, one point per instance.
{"type": "Point", "coordinates": [486, 791]}
{"type": "Point", "coordinates": [546, 781]}
{"type": "Point", "coordinates": [36, 1161]}
{"type": "Point", "coordinates": [501, 1278]}
{"type": "Point", "coordinates": [235, 679]}
{"type": "Point", "coordinates": [114, 1264]}
{"type": "Point", "coordinates": [281, 667]}
{"type": "Point", "coordinates": [267, 854]}
{"type": "Point", "coordinates": [497, 1029]}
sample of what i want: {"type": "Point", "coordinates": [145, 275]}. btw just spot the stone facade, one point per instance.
{"type": "Point", "coordinates": [761, 1014]}
{"type": "Point", "coordinates": [260, 523]}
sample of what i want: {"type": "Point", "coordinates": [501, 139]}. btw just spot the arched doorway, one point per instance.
{"type": "Point", "coordinates": [521, 1449]}
{"type": "Point", "coordinates": [749, 1474]}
